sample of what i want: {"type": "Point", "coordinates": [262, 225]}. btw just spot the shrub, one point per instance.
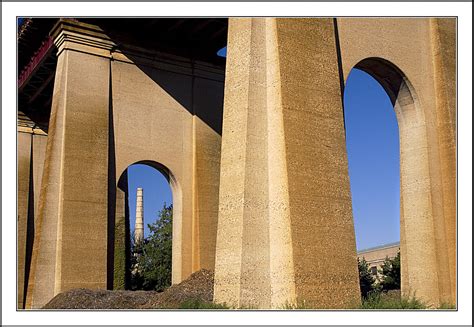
{"type": "Point", "coordinates": [391, 274]}
{"type": "Point", "coordinates": [366, 279]}
{"type": "Point", "coordinates": [120, 255]}
{"type": "Point", "coordinates": [199, 304]}
{"type": "Point", "coordinates": [447, 306]}
{"type": "Point", "coordinates": [151, 264]}
{"type": "Point", "coordinates": [379, 300]}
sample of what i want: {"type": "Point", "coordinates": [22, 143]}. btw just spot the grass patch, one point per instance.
{"type": "Point", "coordinates": [447, 306]}
{"type": "Point", "coordinates": [300, 305]}
{"type": "Point", "coordinates": [199, 304]}
{"type": "Point", "coordinates": [374, 301]}
{"type": "Point", "coordinates": [377, 300]}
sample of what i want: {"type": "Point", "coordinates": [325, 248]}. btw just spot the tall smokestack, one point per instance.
{"type": "Point", "coordinates": [139, 232]}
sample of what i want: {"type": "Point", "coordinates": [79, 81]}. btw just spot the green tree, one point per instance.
{"type": "Point", "coordinates": [136, 276]}
{"type": "Point", "coordinates": [366, 279]}
{"type": "Point", "coordinates": [153, 259]}
{"type": "Point", "coordinates": [391, 274]}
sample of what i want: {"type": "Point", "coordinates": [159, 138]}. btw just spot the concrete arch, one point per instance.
{"type": "Point", "coordinates": [424, 255]}
{"type": "Point", "coordinates": [140, 103]}
{"type": "Point", "coordinates": [419, 55]}
{"type": "Point", "coordinates": [165, 171]}
{"type": "Point", "coordinates": [122, 210]}
{"type": "Point", "coordinates": [166, 127]}
{"type": "Point", "coordinates": [409, 113]}
{"type": "Point", "coordinates": [392, 78]}
{"type": "Point", "coordinates": [134, 104]}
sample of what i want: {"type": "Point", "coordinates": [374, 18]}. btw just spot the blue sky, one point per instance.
{"type": "Point", "coordinates": [373, 154]}
{"type": "Point", "coordinates": [156, 191]}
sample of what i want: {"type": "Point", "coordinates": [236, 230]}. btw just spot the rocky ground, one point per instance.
{"type": "Point", "coordinates": [198, 287]}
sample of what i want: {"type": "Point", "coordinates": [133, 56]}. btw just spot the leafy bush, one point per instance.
{"type": "Point", "coordinates": [447, 306]}
{"type": "Point", "coordinates": [300, 305]}
{"type": "Point", "coordinates": [120, 255]}
{"type": "Point", "coordinates": [151, 262]}
{"type": "Point", "coordinates": [391, 274]}
{"type": "Point", "coordinates": [390, 279]}
{"type": "Point", "coordinates": [366, 279]}
{"type": "Point", "coordinates": [378, 300]}
{"type": "Point", "coordinates": [199, 304]}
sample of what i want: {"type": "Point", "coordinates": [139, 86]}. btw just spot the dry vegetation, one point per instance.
{"type": "Point", "coordinates": [194, 292]}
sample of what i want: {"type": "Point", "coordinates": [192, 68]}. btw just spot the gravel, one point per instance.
{"type": "Point", "coordinates": [198, 287]}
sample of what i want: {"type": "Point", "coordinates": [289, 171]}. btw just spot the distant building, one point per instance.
{"type": "Point", "coordinates": [375, 256]}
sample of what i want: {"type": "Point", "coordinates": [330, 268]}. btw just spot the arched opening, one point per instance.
{"type": "Point", "coordinates": [418, 249]}
{"type": "Point", "coordinates": [144, 218]}
{"type": "Point", "coordinates": [373, 155]}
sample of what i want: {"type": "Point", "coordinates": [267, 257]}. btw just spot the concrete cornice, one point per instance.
{"type": "Point", "coordinates": [31, 130]}
{"type": "Point", "coordinates": [70, 34]}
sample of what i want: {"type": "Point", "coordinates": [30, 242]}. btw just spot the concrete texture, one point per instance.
{"type": "Point", "coordinates": [178, 136]}
{"type": "Point", "coordinates": [122, 247]}
{"type": "Point", "coordinates": [414, 59]}
{"type": "Point", "coordinates": [285, 233]}
{"type": "Point", "coordinates": [24, 159]}
{"type": "Point", "coordinates": [72, 221]}
{"type": "Point", "coordinates": [31, 149]}
{"type": "Point", "coordinates": [279, 184]}
{"type": "Point", "coordinates": [97, 132]}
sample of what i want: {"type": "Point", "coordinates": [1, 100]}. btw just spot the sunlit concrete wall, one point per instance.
{"type": "Point", "coordinates": [112, 108]}
{"type": "Point", "coordinates": [285, 209]}
{"type": "Point", "coordinates": [168, 111]}
{"type": "Point", "coordinates": [31, 151]}
{"type": "Point", "coordinates": [423, 49]}
{"type": "Point", "coordinates": [285, 231]}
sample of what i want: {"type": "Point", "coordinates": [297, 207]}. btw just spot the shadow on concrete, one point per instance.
{"type": "Point", "coordinates": [112, 191]}
{"type": "Point", "coordinates": [386, 74]}
{"type": "Point", "coordinates": [123, 186]}
{"type": "Point", "coordinates": [193, 39]}
{"type": "Point", "coordinates": [30, 226]}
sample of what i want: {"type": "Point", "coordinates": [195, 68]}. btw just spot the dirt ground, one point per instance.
{"type": "Point", "coordinates": [198, 287]}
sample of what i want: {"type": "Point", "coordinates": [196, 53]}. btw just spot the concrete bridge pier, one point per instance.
{"type": "Point", "coordinates": [114, 106]}
{"type": "Point", "coordinates": [31, 151]}
{"type": "Point", "coordinates": [278, 182]}
{"type": "Point", "coordinates": [417, 68]}
{"type": "Point", "coordinates": [285, 230]}
{"type": "Point", "coordinates": [70, 248]}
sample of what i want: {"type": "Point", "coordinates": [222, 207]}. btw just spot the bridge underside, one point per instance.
{"type": "Point", "coordinates": [196, 39]}
{"type": "Point", "coordinates": [259, 176]}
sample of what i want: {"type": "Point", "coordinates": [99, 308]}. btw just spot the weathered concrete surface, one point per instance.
{"type": "Point", "coordinates": [113, 108]}
{"type": "Point", "coordinates": [122, 247]}
{"type": "Point", "coordinates": [421, 52]}
{"type": "Point", "coordinates": [179, 134]}
{"type": "Point", "coordinates": [31, 149]}
{"type": "Point", "coordinates": [443, 32]}
{"type": "Point", "coordinates": [72, 221]}
{"type": "Point", "coordinates": [24, 159]}
{"type": "Point", "coordinates": [285, 232]}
